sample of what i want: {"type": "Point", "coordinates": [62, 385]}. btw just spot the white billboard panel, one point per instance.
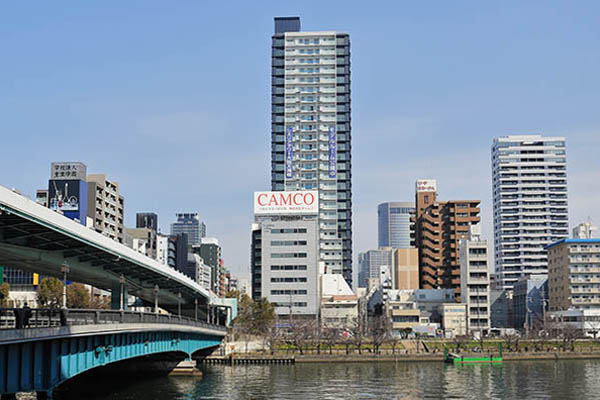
{"type": "Point", "coordinates": [426, 185]}
{"type": "Point", "coordinates": [292, 202]}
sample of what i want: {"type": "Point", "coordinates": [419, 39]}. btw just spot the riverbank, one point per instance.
{"type": "Point", "coordinates": [436, 357]}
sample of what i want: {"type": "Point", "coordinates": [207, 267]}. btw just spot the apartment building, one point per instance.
{"type": "Point", "coordinates": [106, 207]}
{"type": "Point", "coordinates": [311, 130]}
{"type": "Point", "coordinates": [529, 187]}
{"type": "Point", "coordinates": [439, 227]}
{"type": "Point", "coordinates": [574, 274]}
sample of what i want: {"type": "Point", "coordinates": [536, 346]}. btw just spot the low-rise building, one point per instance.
{"type": "Point", "coordinates": [339, 305]}
{"type": "Point", "coordinates": [454, 319]}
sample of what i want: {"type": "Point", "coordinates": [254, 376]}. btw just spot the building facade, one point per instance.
{"type": "Point", "coordinates": [190, 224]}
{"type": "Point", "coordinates": [394, 225]}
{"type": "Point", "coordinates": [475, 281]}
{"type": "Point", "coordinates": [311, 130]}
{"type": "Point", "coordinates": [106, 207]}
{"type": "Point", "coordinates": [530, 302]}
{"type": "Point", "coordinates": [370, 263]}
{"type": "Point", "coordinates": [210, 251]}
{"type": "Point", "coordinates": [439, 227]}
{"type": "Point", "coordinates": [529, 184]}
{"type": "Point", "coordinates": [574, 274]}
{"type": "Point", "coordinates": [406, 269]}
{"type": "Point", "coordinates": [285, 261]}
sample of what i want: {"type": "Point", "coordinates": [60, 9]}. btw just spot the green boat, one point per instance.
{"type": "Point", "coordinates": [453, 358]}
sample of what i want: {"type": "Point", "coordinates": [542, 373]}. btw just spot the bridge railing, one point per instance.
{"type": "Point", "coordinates": [24, 318]}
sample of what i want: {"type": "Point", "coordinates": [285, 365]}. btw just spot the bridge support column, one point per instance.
{"type": "Point", "coordinates": [115, 297]}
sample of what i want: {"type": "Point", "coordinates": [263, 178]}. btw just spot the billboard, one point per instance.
{"type": "Point", "coordinates": [68, 170]}
{"type": "Point", "coordinates": [426, 185]}
{"type": "Point", "coordinates": [332, 153]}
{"type": "Point", "coordinates": [70, 197]}
{"type": "Point", "coordinates": [293, 202]}
{"type": "Point", "coordinates": [64, 195]}
{"type": "Point", "coordinates": [289, 151]}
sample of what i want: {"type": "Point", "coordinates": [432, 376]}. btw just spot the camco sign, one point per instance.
{"type": "Point", "coordinates": [294, 202]}
{"type": "Point", "coordinates": [426, 185]}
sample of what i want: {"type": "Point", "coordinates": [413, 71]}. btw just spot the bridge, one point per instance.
{"type": "Point", "coordinates": [56, 345]}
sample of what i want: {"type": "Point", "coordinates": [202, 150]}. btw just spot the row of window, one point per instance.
{"type": "Point", "coordinates": [288, 280]}
{"type": "Point", "coordinates": [288, 267]}
{"type": "Point", "coordinates": [289, 230]}
{"type": "Point", "coordinates": [288, 255]}
{"type": "Point", "coordinates": [288, 242]}
{"type": "Point", "coordinates": [288, 292]}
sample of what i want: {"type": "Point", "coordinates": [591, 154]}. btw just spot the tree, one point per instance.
{"type": "Point", "coordinates": [4, 292]}
{"type": "Point", "coordinates": [233, 294]}
{"type": "Point", "coordinates": [379, 330]}
{"type": "Point", "coordinates": [78, 296]}
{"type": "Point", "coordinates": [329, 336]}
{"type": "Point", "coordinates": [100, 302]}
{"type": "Point", "coordinates": [49, 293]}
{"type": "Point", "coordinates": [358, 335]}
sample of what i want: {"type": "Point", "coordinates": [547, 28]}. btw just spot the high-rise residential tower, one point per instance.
{"type": "Point", "coordinates": [530, 203]}
{"type": "Point", "coordinates": [394, 224]}
{"type": "Point", "coordinates": [310, 131]}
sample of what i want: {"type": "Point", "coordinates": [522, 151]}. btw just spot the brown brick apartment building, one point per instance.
{"type": "Point", "coordinates": [438, 228]}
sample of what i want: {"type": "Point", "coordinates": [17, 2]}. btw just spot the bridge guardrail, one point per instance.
{"type": "Point", "coordinates": [25, 318]}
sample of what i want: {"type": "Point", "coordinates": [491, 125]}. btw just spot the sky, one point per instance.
{"type": "Point", "coordinates": [172, 100]}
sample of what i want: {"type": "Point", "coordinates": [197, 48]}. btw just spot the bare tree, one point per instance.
{"type": "Point", "coordinates": [511, 341]}
{"type": "Point", "coordinates": [330, 337]}
{"type": "Point", "coordinates": [379, 331]}
{"type": "Point", "coordinates": [300, 334]}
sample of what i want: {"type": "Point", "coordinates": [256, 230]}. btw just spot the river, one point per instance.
{"type": "Point", "coordinates": [565, 379]}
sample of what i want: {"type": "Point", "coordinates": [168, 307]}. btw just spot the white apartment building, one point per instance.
{"type": "Point", "coordinates": [530, 203]}
{"type": "Point", "coordinates": [475, 281]}
{"type": "Point", "coordinates": [311, 133]}
{"type": "Point", "coordinates": [574, 274]}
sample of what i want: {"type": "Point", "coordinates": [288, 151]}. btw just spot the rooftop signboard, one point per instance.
{"type": "Point", "coordinates": [291, 202]}
{"type": "Point", "coordinates": [426, 185]}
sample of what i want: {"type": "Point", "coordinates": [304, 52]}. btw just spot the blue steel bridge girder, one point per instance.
{"type": "Point", "coordinates": [43, 365]}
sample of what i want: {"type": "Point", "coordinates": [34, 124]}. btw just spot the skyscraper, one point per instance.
{"type": "Point", "coordinates": [311, 133]}
{"type": "Point", "coordinates": [190, 224]}
{"type": "Point", "coordinates": [530, 203]}
{"type": "Point", "coordinates": [394, 224]}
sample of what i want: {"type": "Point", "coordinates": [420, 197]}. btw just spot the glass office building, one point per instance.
{"type": "Point", "coordinates": [393, 222]}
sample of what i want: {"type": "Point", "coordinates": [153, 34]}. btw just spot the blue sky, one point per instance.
{"type": "Point", "coordinates": [171, 99]}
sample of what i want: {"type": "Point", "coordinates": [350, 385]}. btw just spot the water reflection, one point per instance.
{"type": "Point", "coordinates": [431, 380]}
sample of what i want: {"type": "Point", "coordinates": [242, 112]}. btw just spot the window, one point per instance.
{"type": "Point", "coordinates": [288, 255]}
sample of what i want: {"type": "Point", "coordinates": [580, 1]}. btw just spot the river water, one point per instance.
{"type": "Point", "coordinates": [578, 379]}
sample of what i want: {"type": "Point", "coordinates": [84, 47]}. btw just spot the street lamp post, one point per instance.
{"type": "Point", "coordinates": [65, 269]}
{"type": "Point", "coordinates": [196, 309]}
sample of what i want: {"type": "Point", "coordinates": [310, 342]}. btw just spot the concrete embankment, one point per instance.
{"type": "Point", "coordinates": [437, 357]}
